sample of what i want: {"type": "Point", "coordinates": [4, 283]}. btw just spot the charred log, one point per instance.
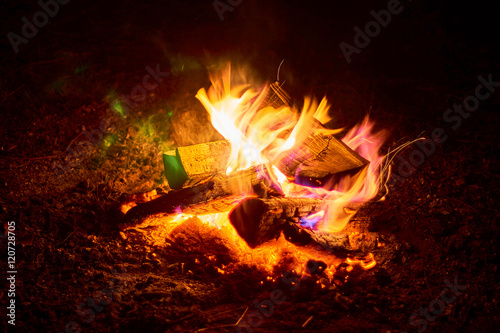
{"type": "Point", "coordinates": [259, 220]}
{"type": "Point", "coordinates": [340, 244]}
{"type": "Point", "coordinates": [219, 186]}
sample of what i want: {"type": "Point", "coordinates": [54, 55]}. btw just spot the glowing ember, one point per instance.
{"type": "Point", "coordinates": [367, 263]}
{"type": "Point", "coordinates": [185, 229]}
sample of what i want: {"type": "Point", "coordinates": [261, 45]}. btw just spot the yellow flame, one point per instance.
{"type": "Point", "coordinates": [259, 133]}
{"type": "Point", "coordinates": [237, 113]}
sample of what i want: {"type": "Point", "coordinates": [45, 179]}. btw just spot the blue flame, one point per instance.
{"type": "Point", "coordinates": [312, 220]}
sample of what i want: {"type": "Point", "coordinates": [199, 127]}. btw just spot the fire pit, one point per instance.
{"type": "Point", "coordinates": [132, 200]}
{"type": "Point", "coordinates": [280, 178]}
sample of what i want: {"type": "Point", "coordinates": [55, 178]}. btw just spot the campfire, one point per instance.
{"type": "Point", "coordinates": [280, 190]}
{"type": "Point", "coordinates": [148, 186]}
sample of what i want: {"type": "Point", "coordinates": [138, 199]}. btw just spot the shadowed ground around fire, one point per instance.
{"type": "Point", "coordinates": [438, 224]}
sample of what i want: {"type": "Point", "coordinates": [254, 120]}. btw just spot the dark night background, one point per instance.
{"type": "Point", "coordinates": [65, 79]}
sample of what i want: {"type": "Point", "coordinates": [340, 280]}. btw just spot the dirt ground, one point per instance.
{"type": "Point", "coordinates": [70, 154]}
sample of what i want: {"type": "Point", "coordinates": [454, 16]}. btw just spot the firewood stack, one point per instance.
{"type": "Point", "coordinates": [197, 176]}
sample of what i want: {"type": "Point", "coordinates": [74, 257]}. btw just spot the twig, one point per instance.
{"type": "Point", "coordinates": [39, 62]}
{"type": "Point", "coordinates": [71, 234]}
{"type": "Point", "coordinates": [307, 321]}
{"type": "Point", "coordinates": [466, 204]}
{"type": "Point", "coordinates": [278, 74]}
{"type": "Point", "coordinates": [13, 92]}
{"type": "Point", "coordinates": [243, 315]}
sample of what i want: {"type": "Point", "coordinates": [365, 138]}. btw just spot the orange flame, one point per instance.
{"type": "Point", "coordinates": [258, 133]}
{"type": "Point", "coordinates": [353, 190]}
{"type": "Point", "coordinates": [236, 114]}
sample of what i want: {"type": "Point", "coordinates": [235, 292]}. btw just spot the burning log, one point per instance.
{"type": "Point", "coordinates": [195, 163]}
{"type": "Point", "coordinates": [277, 97]}
{"type": "Point", "coordinates": [189, 165]}
{"type": "Point", "coordinates": [259, 220]}
{"type": "Point", "coordinates": [340, 244]}
{"type": "Point", "coordinates": [316, 160]}
{"type": "Point", "coordinates": [326, 157]}
{"type": "Point", "coordinates": [319, 159]}
{"type": "Point", "coordinates": [218, 186]}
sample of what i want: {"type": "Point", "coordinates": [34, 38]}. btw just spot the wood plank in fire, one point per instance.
{"type": "Point", "coordinates": [219, 186]}
{"type": "Point", "coordinates": [320, 159]}
{"type": "Point", "coordinates": [186, 166]}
